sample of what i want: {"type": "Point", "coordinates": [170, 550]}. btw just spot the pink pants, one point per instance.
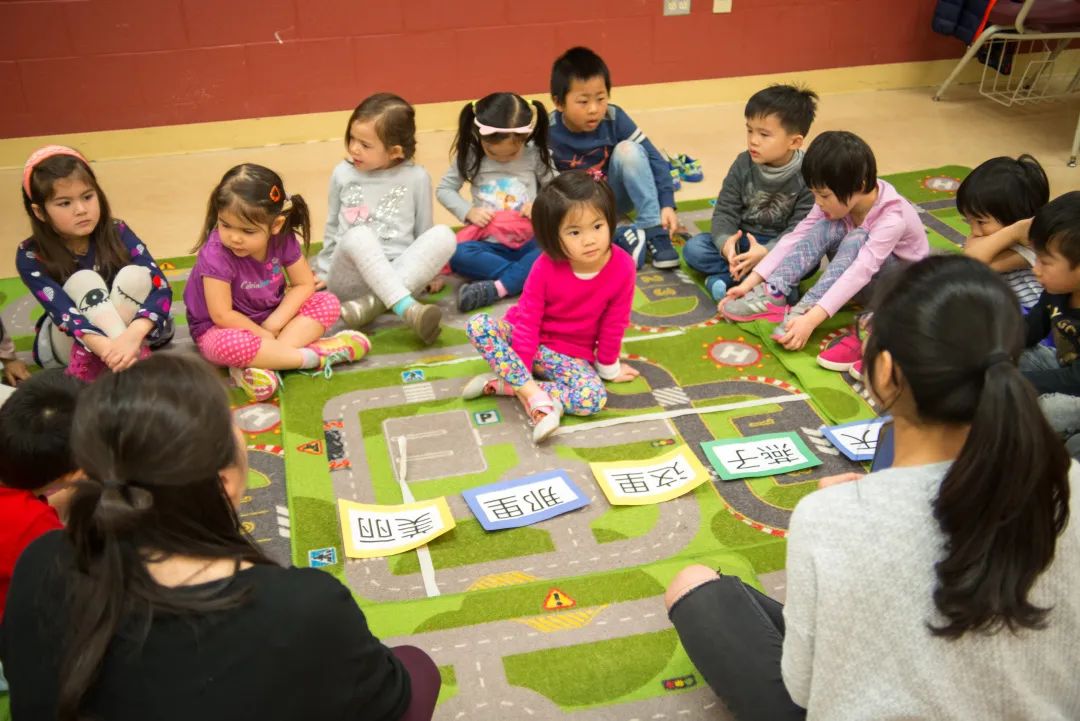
{"type": "Point", "coordinates": [237, 348]}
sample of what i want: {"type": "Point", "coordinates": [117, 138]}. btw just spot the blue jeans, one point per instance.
{"type": "Point", "coordinates": [482, 260]}
{"type": "Point", "coordinates": [631, 179]}
{"type": "Point", "coordinates": [702, 254]}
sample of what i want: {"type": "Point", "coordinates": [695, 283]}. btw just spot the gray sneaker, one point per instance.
{"type": "Point", "coordinates": [424, 320]}
{"type": "Point", "coordinates": [363, 311]}
{"type": "Point", "coordinates": [758, 303]}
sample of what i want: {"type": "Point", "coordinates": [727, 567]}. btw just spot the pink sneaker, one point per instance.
{"type": "Point", "coordinates": [855, 371]}
{"type": "Point", "coordinates": [842, 354]}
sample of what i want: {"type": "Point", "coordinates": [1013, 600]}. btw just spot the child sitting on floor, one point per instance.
{"type": "Point", "coordinates": [587, 132]}
{"type": "Point", "coordinates": [1000, 192]}
{"type": "Point", "coordinates": [859, 221]}
{"type": "Point", "coordinates": [501, 151]}
{"type": "Point", "coordinates": [35, 457]}
{"type": "Point", "coordinates": [572, 314]}
{"type": "Point", "coordinates": [381, 249]}
{"type": "Point", "coordinates": [1055, 372]}
{"type": "Point", "coordinates": [106, 302]}
{"type": "Point", "coordinates": [251, 299]}
{"type": "Point", "coordinates": [764, 195]}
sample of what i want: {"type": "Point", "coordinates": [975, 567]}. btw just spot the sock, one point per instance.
{"type": "Point", "coordinates": [501, 289]}
{"type": "Point", "coordinates": [309, 358]}
{"type": "Point", "coordinates": [774, 291]}
{"type": "Point", "coordinates": [403, 305]}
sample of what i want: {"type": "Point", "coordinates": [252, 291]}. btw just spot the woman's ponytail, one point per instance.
{"type": "Point", "coordinates": [1001, 506]}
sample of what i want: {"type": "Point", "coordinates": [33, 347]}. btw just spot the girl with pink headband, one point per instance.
{"type": "Point", "coordinates": [106, 302]}
{"type": "Point", "coordinates": [501, 151]}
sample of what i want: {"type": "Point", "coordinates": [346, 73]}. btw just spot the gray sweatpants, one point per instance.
{"type": "Point", "coordinates": [359, 265]}
{"type": "Point", "coordinates": [1061, 409]}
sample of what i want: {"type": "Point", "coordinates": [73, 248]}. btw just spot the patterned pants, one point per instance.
{"type": "Point", "coordinates": [571, 381]}
{"type": "Point", "coordinates": [236, 347]}
{"type": "Point", "coordinates": [828, 238]}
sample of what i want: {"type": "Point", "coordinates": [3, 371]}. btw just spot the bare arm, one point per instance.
{"type": "Point", "coordinates": [301, 287]}
{"type": "Point", "coordinates": [987, 248]}
{"type": "Point", "coordinates": [219, 303]}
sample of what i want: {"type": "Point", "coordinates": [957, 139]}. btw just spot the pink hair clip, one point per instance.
{"type": "Point", "coordinates": [44, 153]}
{"type": "Point", "coordinates": [595, 173]}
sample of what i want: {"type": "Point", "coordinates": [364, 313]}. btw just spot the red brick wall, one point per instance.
{"type": "Point", "coordinates": [79, 65]}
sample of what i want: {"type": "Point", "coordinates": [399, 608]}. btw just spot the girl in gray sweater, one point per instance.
{"type": "Point", "coordinates": [380, 248]}
{"type": "Point", "coordinates": [946, 587]}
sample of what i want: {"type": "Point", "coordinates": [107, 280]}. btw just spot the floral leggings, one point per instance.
{"type": "Point", "coordinates": [571, 381]}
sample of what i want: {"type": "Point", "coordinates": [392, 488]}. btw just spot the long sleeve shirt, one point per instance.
{"type": "Point", "coordinates": [592, 149]}
{"type": "Point", "coordinates": [582, 318]}
{"type": "Point", "coordinates": [860, 593]}
{"type": "Point", "coordinates": [893, 227]}
{"type": "Point", "coordinates": [760, 199]}
{"type": "Point", "coordinates": [1053, 315]}
{"type": "Point", "coordinates": [64, 311]}
{"type": "Point", "coordinates": [396, 203]}
{"type": "Point", "coordinates": [497, 186]}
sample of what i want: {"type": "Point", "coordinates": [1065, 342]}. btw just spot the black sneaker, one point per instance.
{"type": "Point", "coordinates": [632, 240]}
{"type": "Point", "coordinates": [476, 295]}
{"type": "Point", "coordinates": [663, 252]}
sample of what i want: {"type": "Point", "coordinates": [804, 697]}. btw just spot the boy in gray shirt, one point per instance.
{"type": "Point", "coordinates": [763, 195]}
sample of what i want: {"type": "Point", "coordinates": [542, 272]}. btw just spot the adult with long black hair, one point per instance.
{"type": "Point", "coordinates": [153, 604]}
{"type": "Point", "coordinates": [947, 587]}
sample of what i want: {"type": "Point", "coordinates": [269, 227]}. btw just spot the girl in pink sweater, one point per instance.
{"type": "Point", "coordinates": [568, 326]}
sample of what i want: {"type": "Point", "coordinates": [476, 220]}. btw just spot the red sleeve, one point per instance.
{"type": "Point", "coordinates": [616, 316]}
{"type": "Point", "coordinates": [529, 313]}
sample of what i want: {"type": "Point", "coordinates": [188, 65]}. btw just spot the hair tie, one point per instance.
{"type": "Point", "coordinates": [485, 130]}
{"type": "Point", "coordinates": [994, 358]}
{"type": "Point", "coordinates": [45, 153]}
{"type": "Point", "coordinates": [595, 173]}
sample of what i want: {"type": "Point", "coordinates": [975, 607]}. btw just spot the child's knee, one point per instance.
{"type": "Point", "coordinates": [359, 240]}
{"type": "Point", "coordinates": [322, 307]}
{"type": "Point", "coordinates": [591, 398]}
{"type": "Point", "coordinates": [628, 152]}
{"type": "Point", "coordinates": [479, 325]}
{"type": "Point", "coordinates": [443, 241]}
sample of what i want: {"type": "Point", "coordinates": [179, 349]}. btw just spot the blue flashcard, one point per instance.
{"type": "Point", "coordinates": [856, 440]}
{"type": "Point", "coordinates": [524, 501]}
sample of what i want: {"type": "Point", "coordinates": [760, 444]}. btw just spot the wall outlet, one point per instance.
{"type": "Point", "coordinates": [721, 6]}
{"type": "Point", "coordinates": [676, 7]}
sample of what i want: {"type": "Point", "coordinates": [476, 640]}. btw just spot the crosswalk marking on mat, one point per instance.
{"type": "Point", "coordinates": [415, 392]}
{"type": "Point", "coordinates": [673, 396]}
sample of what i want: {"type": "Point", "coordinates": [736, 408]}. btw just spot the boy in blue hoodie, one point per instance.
{"type": "Point", "coordinates": [587, 132]}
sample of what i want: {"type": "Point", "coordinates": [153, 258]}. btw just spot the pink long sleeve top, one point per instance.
{"type": "Point", "coordinates": [582, 318]}
{"type": "Point", "coordinates": [894, 228]}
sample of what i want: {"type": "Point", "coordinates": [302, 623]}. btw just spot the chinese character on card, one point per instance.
{"type": "Point", "coordinates": [371, 531]}
{"type": "Point", "coordinates": [524, 501]}
{"type": "Point", "coordinates": [856, 440]}
{"type": "Point", "coordinates": [637, 483]}
{"type": "Point", "coordinates": [771, 454]}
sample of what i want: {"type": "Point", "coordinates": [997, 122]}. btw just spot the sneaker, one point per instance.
{"type": "Point", "coordinates": [758, 303]}
{"type": "Point", "coordinates": [842, 354]}
{"type": "Point", "coordinates": [486, 384]}
{"type": "Point", "coordinates": [663, 252]}
{"type": "Point", "coordinates": [361, 312]}
{"type": "Point", "coordinates": [476, 295]}
{"type": "Point", "coordinates": [344, 347]}
{"type": "Point", "coordinates": [258, 383]}
{"type": "Point", "coordinates": [425, 321]}
{"type": "Point", "coordinates": [716, 286]}
{"type": "Point", "coordinates": [855, 371]}
{"type": "Point", "coordinates": [548, 424]}
{"type": "Point", "coordinates": [689, 168]}
{"type": "Point", "coordinates": [676, 177]}
{"type": "Point", "coordinates": [632, 240]}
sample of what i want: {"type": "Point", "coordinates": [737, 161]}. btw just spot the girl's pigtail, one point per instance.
{"type": "Point", "coordinates": [210, 221]}
{"type": "Point", "coordinates": [540, 133]}
{"type": "Point", "coordinates": [467, 143]}
{"type": "Point", "coordinates": [298, 219]}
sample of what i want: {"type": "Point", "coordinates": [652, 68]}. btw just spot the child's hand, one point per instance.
{"type": "Point", "coordinates": [743, 263]}
{"type": "Point", "coordinates": [15, 371]}
{"type": "Point", "coordinates": [265, 334]}
{"type": "Point", "coordinates": [838, 479]}
{"type": "Point", "coordinates": [320, 284]}
{"type": "Point", "coordinates": [800, 327]}
{"type": "Point", "coordinates": [733, 293]}
{"type": "Point", "coordinates": [479, 217]}
{"type": "Point", "coordinates": [626, 374]}
{"type": "Point", "coordinates": [124, 351]}
{"type": "Point", "coordinates": [526, 210]}
{"type": "Point", "coordinates": [435, 285]}
{"type": "Point", "coordinates": [669, 220]}
{"type": "Point", "coordinates": [730, 247]}
{"type": "Point", "coordinates": [273, 325]}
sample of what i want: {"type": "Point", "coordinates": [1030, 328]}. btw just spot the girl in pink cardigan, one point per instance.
{"type": "Point", "coordinates": [567, 328]}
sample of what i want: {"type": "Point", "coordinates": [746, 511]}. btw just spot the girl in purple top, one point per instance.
{"type": "Point", "coordinates": [558, 345]}
{"type": "Point", "coordinates": [251, 300]}
{"type": "Point", "coordinates": [861, 223]}
{"type": "Point", "coordinates": [106, 302]}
